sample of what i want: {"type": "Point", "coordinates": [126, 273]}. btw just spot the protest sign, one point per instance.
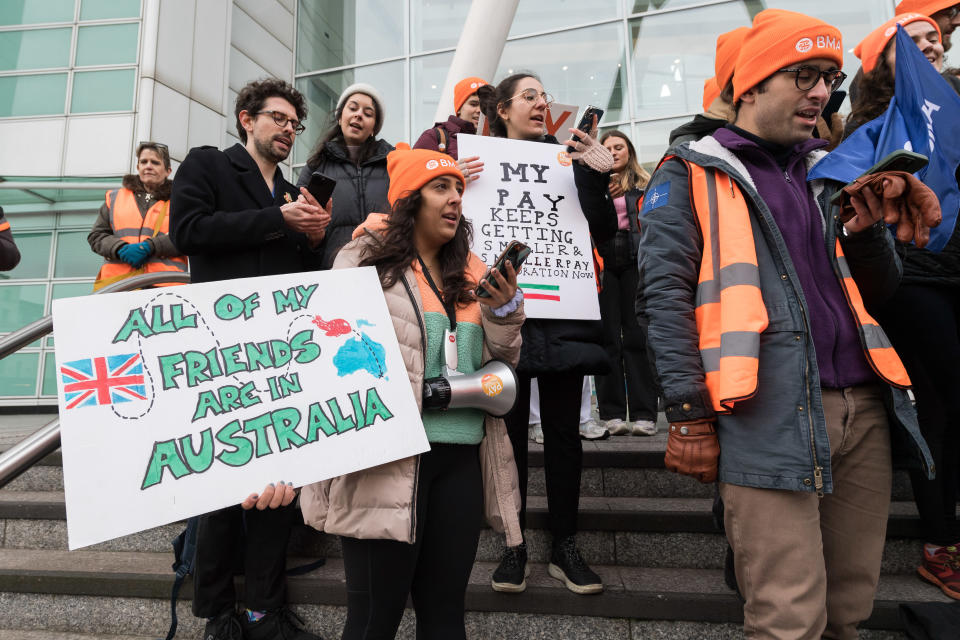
{"type": "Point", "coordinates": [182, 400]}
{"type": "Point", "coordinates": [526, 192]}
{"type": "Point", "coordinates": [559, 118]}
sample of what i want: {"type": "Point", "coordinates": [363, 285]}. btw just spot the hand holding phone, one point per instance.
{"type": "Point", "coordinates": [321, 188]}
{"type": "Point", "coordinates": [899, 160]}
{"type": "Point", "coordinates": [586, 123]}
{"type": "Point", "coordinates": [515, 253]}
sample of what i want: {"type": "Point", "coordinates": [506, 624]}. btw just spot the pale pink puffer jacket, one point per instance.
{"type": "Point", "coordinates": [380, 502]}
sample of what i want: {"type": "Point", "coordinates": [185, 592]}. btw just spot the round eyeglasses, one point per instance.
{"type": "Point", "coordinates": [281, 121]}
{"type": "Point", "coordinates": [530, 95]}
{"type": "Point", "coordinates": [807, 77]}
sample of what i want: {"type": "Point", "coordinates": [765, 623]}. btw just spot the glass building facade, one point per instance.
{"type": "Point", "coordinates": [642, 61]}
{"type": "Point", "coordinates": [57, 58]}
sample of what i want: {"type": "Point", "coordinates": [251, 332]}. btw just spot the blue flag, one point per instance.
{"type": "Point", "coordinates": [923, 116]}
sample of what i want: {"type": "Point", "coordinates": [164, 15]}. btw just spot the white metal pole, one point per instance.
{"type": "Point", "coordinates": [479, 48]}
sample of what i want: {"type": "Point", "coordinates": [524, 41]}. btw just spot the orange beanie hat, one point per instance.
{"type": "Point", "coordinates": [925, 7]}
{"type": "Point", "coordinates": [463, 90]}
{"type": "Point", "coordinates": [728, 47]}
{"type": "Point", "coordinates": [870, 50]}
{"type": "Point", "coordinates": [779, 39]}
{"type": "Point", "coordinates": [409, 169]}
{"type": "Point", "coordinates": [710, 92]}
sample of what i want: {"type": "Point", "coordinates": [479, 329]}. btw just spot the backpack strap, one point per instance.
{"type": "Point", "coordinates": [185, 553]}
{"type": "Point", "coordinates": [441, 139]}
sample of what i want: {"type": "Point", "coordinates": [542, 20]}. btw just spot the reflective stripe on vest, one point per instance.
{"type": "Point", "coordinates": [131, 227]}
{"type": "Point", "coordinates": [880, 353]}
{"type": "Point", "coordinates": [730, 313]}
{"type": "Point", "coordinates": [729, 308]}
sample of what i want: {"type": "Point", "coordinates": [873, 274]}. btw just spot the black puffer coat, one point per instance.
{"type": "Point", "coordinates": [568, 346]}
{"type": "Point", "coordinates": [360, 190]}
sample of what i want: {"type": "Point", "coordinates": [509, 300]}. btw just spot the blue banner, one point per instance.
{"type": "Point", "coordinates": [923, 116]}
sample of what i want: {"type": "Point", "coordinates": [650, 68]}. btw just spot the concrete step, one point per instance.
{"type": "Point", "coordinates": [21, 634]}
{"type": "Point", "coordinates": [121, 580]}
{"type": "Point", "coordinates": [651, 532]}
{"type": "Point", "coordinates": [619, 467]}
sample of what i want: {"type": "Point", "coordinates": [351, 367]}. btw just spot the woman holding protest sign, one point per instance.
{"type": "Point", "coordinates": [412, 527]}
{"type": "Point", "coordinates": [351, 154]}
{"type": "Point", "coordinates": [559, 353]}
{"type": "Point", "coordinates": [443, 135]}
{"type": "Point", "coordinates": [922, 320]}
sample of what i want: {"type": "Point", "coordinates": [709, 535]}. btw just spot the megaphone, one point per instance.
{"type": "Point", "coordinates": [492, 388]}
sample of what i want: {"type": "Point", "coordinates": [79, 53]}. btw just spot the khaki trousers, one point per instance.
{"type": "Point", "coordinates": [808, 567]}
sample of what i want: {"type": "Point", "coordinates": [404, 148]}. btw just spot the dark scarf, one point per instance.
{"type": "Point", "coordinates": [132, 181]}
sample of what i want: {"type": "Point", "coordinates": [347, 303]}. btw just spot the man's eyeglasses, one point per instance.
{"type": "Point", "coordinates": [530, 95]}
{"type": "Point", "coordinates": [807, 77]}
{"type": "Point", "coordinates": [281, 121]}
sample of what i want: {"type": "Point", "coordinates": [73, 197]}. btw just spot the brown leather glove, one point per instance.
{"type": "Point", "coordinates": [693, 449]}
{"type": "Point", "coordinates": [906, 202]}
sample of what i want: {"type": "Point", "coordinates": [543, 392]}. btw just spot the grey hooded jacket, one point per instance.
{"type": "Point", "coordinates": [776, 439]}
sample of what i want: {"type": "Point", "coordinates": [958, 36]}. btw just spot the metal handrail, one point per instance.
{"type": "Point", "coordinates": [46, 439]}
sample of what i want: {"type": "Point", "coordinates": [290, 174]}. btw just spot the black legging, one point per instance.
{"type": "Point", "coordinates": [562, 452]}
{"type": "Point", "coordinates": [258, 540]}
{"type": "Point", "coordinates": [435, 569]}
{"type": "Point", "coordinates": [923, 323]}
{"type": "Point", "coordinates": [623, 338]}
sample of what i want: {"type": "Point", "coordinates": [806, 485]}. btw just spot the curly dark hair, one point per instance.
{"type": "Point", "coordinates": [874, 96]}
{"type": "Point", "coordinates": [493, 97]}
{"type": "Point", "coordinates": [396, 251]}
{"type": "Point", "coordinates": [252, 97]}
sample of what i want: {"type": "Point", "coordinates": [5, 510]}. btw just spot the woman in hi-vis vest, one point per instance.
{"type": "Point", "coordinates": [131, 232]}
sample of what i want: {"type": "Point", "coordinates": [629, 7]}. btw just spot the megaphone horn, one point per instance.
{"type": "Point", "coordinates": [492, 388]}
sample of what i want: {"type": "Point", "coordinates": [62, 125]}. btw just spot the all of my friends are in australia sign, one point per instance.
{"type": "Point", "coordinates": [180, 400]}
{"type": "Point", "coordinates": [526, 192]}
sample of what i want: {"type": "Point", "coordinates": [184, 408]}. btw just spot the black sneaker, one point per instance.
{"type": "Point", "coordinates": [568, 566]}
{"type": "Point", "coordinates": [510, 576]}
{"type": "Point", "coordinates": [279, 624]}
{"type": "Point", "coordinates": [225, 626]}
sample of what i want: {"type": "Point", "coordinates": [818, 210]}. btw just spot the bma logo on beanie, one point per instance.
{"type": "Point", "coordinates": [804, 45]}
{"type": "Point", "coordinates": [432, 164]}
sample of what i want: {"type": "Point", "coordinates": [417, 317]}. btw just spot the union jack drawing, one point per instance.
{"type": "Point", "coordinates": [105, 380]}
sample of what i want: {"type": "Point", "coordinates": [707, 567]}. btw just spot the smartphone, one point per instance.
{"type": "Point", "coordinates": [833, 105]}
{"type": "Point", "coordinates": [321, 188]}
{"type": "Point", "coordinates": [515, 253]}
{"type": "Point", "coordinates": [586, 121]}
{"type": "Point", "coordinates": [899, 160]}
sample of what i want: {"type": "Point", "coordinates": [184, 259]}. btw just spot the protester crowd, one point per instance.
{"type": "Point", "coordinates": [778, 330]}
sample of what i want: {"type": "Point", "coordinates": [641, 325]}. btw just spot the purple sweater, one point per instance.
{"type": "Point", "coordinates": [781, 179]}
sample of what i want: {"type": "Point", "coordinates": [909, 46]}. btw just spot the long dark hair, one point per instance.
{"type": "Point", "coordinates": [367, 149]}
{"type": "Point", "coordinates": [492, 97]}
{"type": "Point", "coordinates": [873, 98]}
{"type": "Point", "coordinates": [396, 251]}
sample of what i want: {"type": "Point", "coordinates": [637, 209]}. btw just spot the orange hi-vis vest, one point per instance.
{"type": "Point", "coordinates": [729, 309]}
{"type": "Point", "coordinates": [130, 227]}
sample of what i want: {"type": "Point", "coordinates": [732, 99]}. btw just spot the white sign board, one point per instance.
{"type": "Point", "coordinates": [178, 401]}
{"type": "Point", "coordinates": [526, 192]}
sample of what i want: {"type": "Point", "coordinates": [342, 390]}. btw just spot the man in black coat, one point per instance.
{"type": "Point", "coordinates": [235, 216]}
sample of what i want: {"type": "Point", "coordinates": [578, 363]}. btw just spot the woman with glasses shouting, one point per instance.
{"type": "Point", "coordinates": [351, 154]}
{"type": "Point", "coordinates": [131, 231]}
{"type": "Point", "coordinates": [559, 353]}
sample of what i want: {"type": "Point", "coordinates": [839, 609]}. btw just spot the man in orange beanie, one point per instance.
{"type": "Point", "coordinates": [745, 278]}
{"type": "Point", "coordinates": [946, 13]}
{"type": "Point", "coordinates": [717, 110]}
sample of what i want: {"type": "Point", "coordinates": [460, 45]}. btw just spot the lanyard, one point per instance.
{"type": "Point", "coordinates": [450, 334]}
